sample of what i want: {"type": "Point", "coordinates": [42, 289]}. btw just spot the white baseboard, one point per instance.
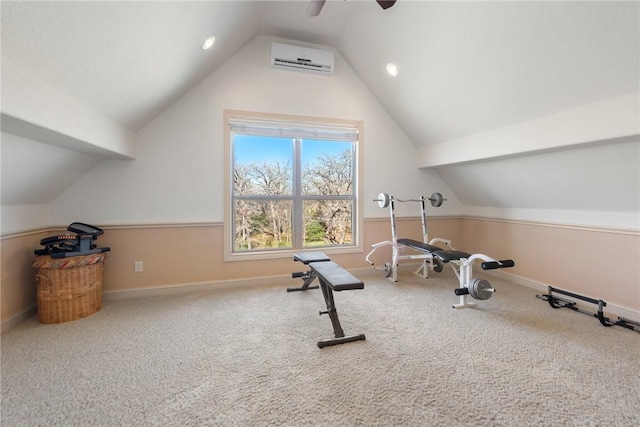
{"type": "Point", "coordinates": [175, 289]}
{"type": "Point", "coordinates": [284, 281]}
{"type": "Point", "coordinates": [611, 309]}
{"type": "Point", "coordinates": [181, 288]}
{"type": "Point", "coordinates": [14, 320]}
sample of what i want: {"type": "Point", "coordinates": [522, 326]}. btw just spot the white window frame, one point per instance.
{"type": "Point", "coordinates": [318, 128]}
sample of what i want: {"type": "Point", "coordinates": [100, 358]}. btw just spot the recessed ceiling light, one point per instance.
{"type": "Point", "coordinates": [392, 69]}
{"type": "Point", "coordinates": [208, 42]}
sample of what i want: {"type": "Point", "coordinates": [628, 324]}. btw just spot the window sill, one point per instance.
{"type": "Point", "coordinates": [288, 254]}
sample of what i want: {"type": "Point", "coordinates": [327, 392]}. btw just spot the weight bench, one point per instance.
{"type": "Point", "coordinates": [434, 257]}
{"type": "Point", "coordinates": [332, 277]}
{"type": "Point", "coordinates": [418, 246]}
{"type": "Point", "coordinates": [310, 275]}
{"type": "Point", "coordinates": [424, 249]}
{"type": "Point", "coordinates": [428, 249]}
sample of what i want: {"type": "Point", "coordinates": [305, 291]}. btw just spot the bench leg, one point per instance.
{"type": "Point", "coordinates": [336, 341]}
{"type": "Point", "coordinates": [464, 275]}
{"type": "Point", "coordinates": [308, 277]}
{"type": "Point", "coordinates": [463, 303]}
{"type": "Point", "coordinates": [340, 338]}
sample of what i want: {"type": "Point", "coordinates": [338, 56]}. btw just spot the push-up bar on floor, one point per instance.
{"type": "Point", "coordinates": [557, 302]}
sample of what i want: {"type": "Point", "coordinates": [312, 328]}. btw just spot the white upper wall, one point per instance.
{"type": "Point", "coordinates": [32, 175]}
{"type": "Point", "coordinates": [177, 176]}
{"type": "Point", "coordinates": [36, 173]}
{"type": "Point", "coordinates": [595, 185]}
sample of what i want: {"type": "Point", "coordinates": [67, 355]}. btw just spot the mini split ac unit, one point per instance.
{"type": "Point", "coordinates": [297, 58]}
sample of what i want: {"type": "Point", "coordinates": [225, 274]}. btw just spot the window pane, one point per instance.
{"type": "Point", "coordinates": [262, 224]}
{"type": "Point", "coordinates": [292, 183]}
{"type": "Point", "coordinates": [328, 222]}
{"type": "Point", "coordinates": [327, 167]}
{"type": "Point", "coordinates": [262, 165]}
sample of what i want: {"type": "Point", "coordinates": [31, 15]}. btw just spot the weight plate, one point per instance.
{"type": "Point", "coordinates": [437, 265]}
{"type": "Point", "coordinates": [383, 200]}
{"type": "Point", "coordinates": [387, 269]}
{"type": "Point", "coordinates": [478, 289]}
{"type": "Point", "coordinates": [436, 200]}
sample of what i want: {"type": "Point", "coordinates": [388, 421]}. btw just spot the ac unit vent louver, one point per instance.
{"type": "Point", "coordinates": [300, 58]}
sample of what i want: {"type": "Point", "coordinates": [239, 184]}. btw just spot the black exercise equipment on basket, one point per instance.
{"type": "Point", "coordinates": [69, 245]}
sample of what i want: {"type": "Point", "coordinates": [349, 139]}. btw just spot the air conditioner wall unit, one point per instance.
{"type": "Point", "coordinates": [300, 58]}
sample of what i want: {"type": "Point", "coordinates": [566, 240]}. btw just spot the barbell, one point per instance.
{"type": "Point", "coordinates": [383, 200]}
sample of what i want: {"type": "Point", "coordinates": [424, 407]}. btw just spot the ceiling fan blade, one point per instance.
{"type": "Point", "coordinates": [314, 8]}
{"type": "Point", "coordinates": [386, 4]}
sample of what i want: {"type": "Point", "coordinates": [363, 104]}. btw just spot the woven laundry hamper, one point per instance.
{"type": "Point", "coordinates": [69, 288]}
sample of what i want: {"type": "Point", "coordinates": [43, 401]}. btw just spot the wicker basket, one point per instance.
{"type": "Point", "coordinates": [69, 288]}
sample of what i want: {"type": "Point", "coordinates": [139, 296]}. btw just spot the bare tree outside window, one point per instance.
{"type": "Point", "coordinates": [283, 183]}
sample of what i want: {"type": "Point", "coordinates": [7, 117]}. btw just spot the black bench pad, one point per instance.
{"type": "Point", "coordinates": [336, 277]}
{"type": "Point", "coordinates": [446, 256]}
{"type": "Point", "coordinates": [307, 257]}
{"type": "Point", "coordinates": [419, 246]}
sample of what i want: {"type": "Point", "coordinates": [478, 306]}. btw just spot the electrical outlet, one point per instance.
{"type": "Point", "coordinates": [137, 267]}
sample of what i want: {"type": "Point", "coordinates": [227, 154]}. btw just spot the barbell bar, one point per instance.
{"type": "Point", "coordinates": [383, 200]}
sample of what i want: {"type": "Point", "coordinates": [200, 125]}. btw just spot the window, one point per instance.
{"type": "Point", "coordinates": [293, 183]}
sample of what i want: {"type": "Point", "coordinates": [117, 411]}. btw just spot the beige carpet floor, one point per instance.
{"type": "Point", "coordinates": [248, 357]}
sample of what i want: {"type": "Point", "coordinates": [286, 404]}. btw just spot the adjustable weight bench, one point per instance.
{"type": "Point", "coordinates": [332, 277]}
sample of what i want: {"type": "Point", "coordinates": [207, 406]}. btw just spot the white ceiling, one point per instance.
{"type": "Point", "coordinates": [465, 67]}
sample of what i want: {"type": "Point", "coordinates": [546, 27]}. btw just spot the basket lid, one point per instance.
{"type": "Point", "coordinates": [45, 261]}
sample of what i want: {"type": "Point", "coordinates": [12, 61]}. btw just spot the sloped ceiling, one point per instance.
{"type": "Point", "coordinates": [43, 171]}
{"type": "Point", "coordinates": [130, 60]}
{"type": "Point", "coordinates": [470, 67]}
{"type": "Point", "coordinates": [465, 67]}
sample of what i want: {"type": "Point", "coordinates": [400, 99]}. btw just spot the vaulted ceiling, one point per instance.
{"type": "Point", "coordinates": [465, 67]}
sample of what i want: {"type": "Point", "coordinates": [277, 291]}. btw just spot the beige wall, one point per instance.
{"type": "Point", "coordinates": [595, 262]}
{"type": "Point", "coordinates": [18, 286]}
{"type": "Point", "coordinates": [176, 255]}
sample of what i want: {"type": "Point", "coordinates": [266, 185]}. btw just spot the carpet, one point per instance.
{"type": "Point", "coordinates": [248, 357]}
